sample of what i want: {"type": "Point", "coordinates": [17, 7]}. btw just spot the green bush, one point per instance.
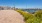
{"type": "Point", "coordinates": [25, 14]}
{"type": "Point", "coordinates": [33, 20]}
{"type": "Point", "coordinates": [38, 14]}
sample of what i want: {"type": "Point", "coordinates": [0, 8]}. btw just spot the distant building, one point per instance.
{"type": "Point", "coordinates": [7, 8]}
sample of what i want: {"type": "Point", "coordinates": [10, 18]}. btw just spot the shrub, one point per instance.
{"type": "Point", "coordinates": [29, 18]}
{"type": "Point", "coordinates": [38, 14]}
{"type": "Point", "coordinates": [33, 20]}
{"type": "Point", "coordinates": [25, 14]}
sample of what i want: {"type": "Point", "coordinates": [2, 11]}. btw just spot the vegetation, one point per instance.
{"type": "Point", "coordinates": [38, 14]}
{"type": "Point", "coordinates": [32, 18]}
{"type": "Point", "coordinates": [25, 14]}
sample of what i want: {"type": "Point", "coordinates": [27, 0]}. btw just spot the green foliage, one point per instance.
{"type": "Point", "coordinates": [33, 20]}
{"type": "Point", "coordinates": [25, 14]}
{"type": "Point", "coordinates": [38, 14]}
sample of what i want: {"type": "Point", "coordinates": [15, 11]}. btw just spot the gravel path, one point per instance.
{"type": "Point", "coordinates": [10, 16]}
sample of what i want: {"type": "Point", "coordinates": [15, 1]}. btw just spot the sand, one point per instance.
{"type": "Point", "coordinates": [10, 16]}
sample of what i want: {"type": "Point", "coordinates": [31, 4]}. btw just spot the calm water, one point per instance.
{"type": "Point", "coordinates": [31, 11]}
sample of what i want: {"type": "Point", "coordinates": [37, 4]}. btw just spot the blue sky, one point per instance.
{"type": "Point", "coordinates": [22, 3]}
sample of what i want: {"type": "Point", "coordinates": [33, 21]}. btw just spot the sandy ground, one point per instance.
{"type": "Point", "coordinates": [10, 16]}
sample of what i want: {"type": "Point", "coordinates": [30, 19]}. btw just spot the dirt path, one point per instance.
{"type": "Point", "coordinates": [10, 16]}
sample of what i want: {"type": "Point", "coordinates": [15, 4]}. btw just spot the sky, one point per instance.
{"type": "Point", "coordinates": [22, 3]}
